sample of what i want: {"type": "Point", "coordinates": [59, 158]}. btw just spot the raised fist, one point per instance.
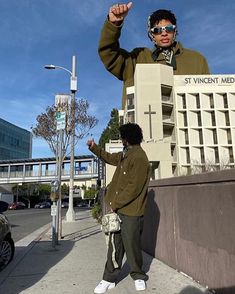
{"type": "Point", "coordinates": [118, 12]}
{"type": "Point", "coordinates": [90, 143]}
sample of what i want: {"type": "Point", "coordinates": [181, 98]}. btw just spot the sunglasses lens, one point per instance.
{"type": "Point", "coordinates": [169, 29]}
{"type": "Point", "coordinates": [156, 30]}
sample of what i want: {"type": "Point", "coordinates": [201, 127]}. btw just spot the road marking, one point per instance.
{"type": "Point", "coordinates": [33, 236]}
{"type": "Point", "coordinates": [27, 213]}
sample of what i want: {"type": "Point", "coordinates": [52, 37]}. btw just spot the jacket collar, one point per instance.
{"type": "Point", "coordinates": [130, 149]}
{"type": "Point", "coordinates": [177, 49]}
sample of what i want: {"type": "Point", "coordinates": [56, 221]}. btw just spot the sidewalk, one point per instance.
{"type": "Point", "coordinates": [76, 266]}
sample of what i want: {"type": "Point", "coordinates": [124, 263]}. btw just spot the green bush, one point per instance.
{"type": "Point", "coordinates": [97, 212]}
{"type": "Point", "coordinates": [90, 193]}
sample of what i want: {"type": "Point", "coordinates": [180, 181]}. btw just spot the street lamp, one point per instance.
{"type": "Point", "coordinates": [70, 215]}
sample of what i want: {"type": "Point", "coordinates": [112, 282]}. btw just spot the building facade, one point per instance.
{"type": "Point", "coordinates": [205, 122]}
{"type": "Point", "coordinates": [15, 142]}
{"type": "Point", "coordinates": [188, 122]}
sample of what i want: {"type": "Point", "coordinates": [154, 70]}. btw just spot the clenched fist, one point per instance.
{"type": "Point", "coordinates": [118, 12]}
{"type": "Point", "coordinates": [90, 143]}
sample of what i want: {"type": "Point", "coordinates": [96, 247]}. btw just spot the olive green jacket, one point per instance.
{"type": "Point", "coordinates": [127, 191]}
{"type": "Point", "coordinates": [121, 63]}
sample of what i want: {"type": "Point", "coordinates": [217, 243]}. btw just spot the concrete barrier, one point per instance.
{"type": "Point", "coordinates": [190, 225]}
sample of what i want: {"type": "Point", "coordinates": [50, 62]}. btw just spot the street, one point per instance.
{"type": "Point", "coordinates": [26, 221]}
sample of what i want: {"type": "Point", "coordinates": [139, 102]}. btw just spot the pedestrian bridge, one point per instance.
{"type": "Point", "coordinates": [45, 170]}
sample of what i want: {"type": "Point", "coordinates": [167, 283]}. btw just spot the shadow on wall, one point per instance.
{"type": "Point", "coordinates": [151, 224]}
{"type": "Point", "coordinates": [193, 290]}
{"type": "Point", "coordinates": [227, 290]}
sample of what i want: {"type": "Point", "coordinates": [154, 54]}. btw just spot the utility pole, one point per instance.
{"type": "Point", "coordinates": [70, 215]}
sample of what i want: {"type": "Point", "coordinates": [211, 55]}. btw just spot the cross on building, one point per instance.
{"type": "Point", "coordinates": [150, 120]}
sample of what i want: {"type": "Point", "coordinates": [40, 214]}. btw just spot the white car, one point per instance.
{"type": "Point", "coordinates": [64, 205]}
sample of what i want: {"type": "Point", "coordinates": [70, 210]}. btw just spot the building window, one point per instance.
{"type": "Point", "coordinates": [231, 158]}
{"type": "Point", "coordinates": [202, 155]}
{"type": "Point", "coordinates": [173, 151]}
{"type": "Point", "coordinates": [185, 119]}
{"type": "Point", "coordinates": [213, 118]}
{"type": "Point", "coordinates": [15, 143]}
{"type": "Point", "coordinates": [186, 137]}
{"type": "Point", "coordinates": [187, 155]}
{"type": "Point", "coordinates": [131, 116]}
{"type": "Point", "coordinates": [211, 101]}
{"type": "Point", "coordinates": [197, 101]}
{"type": "Point", "coordinates": [184, 101]}
{"type": "Point", "coordinates": [166, 93]}
{"type": "Point", "coordinates": [229, 136]}
{"type": "Point", "coordinates": [215, 137]}
{"type": "Point", "coordinates": [227, 118]}
{"type": "Point", "coordinates": [225, 99]}
{"type": "Point", "coordinates": [200, 137]}
{"type": "Point", "coordinates": [199, 119]}
{"type": "Point", "coordinates": [216, 155]}
{"type": "Point", "coordinates": [130, 101]}
{"type": "Point", "coordinates": [3, 168]}
{"type": "Point", "coordinates": [121, 120]}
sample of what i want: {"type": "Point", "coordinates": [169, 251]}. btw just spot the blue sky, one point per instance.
{"type": "Point", "coordinates": [38, 32]}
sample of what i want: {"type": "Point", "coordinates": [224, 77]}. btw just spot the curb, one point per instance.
{"type": "Point", "coordinates": [22, 247]}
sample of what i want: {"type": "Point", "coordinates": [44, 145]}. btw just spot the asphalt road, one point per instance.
{"type": "Point", "coordinates": [26, 221]}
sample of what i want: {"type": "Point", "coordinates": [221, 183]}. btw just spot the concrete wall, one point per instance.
{"type": "Point", "coordinates": [190, 225]}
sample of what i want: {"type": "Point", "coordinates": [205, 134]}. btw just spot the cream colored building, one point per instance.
{"type": "Point", "coordinates": [188, 122]}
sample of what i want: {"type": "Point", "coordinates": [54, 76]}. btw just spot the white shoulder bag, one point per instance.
{"type": "Point", "coordinates": [111, 222]}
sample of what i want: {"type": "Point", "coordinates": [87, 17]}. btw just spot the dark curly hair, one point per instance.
{"type": "Point", "coordinates": [132, 133]}
{"type": "Point", "coordinates": [161, 14]}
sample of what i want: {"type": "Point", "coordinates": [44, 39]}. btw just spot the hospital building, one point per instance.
{"type": "Point", "coordinates": [188, 121]}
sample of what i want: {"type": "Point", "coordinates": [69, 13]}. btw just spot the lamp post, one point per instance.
{"type": "Point", "coordinates": [70, 215]}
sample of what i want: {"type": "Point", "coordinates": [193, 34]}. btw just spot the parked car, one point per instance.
{"type": "Point", "coordinates": [82, 205]}
{"type": "Point", "coordinates": [64, 205]}
{"type": "Point", "coordinates": [17, 205]}
{"type": "Point", "coordinates": [7, 246]}
{"type": "Point", "coordinates": [44, 204]}
{"type": "Point", "coordinates": [37, 205]}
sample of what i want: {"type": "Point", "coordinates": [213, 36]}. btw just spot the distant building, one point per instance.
{"type": "Point", "coordinates": [15, 142]}
{"type": "Point", "coordinates": [188, 121]}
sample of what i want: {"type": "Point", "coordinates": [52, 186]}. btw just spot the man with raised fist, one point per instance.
{"type": "Point", "coordinates": [162, 31]}
{"type": "Point", "coordinates": [126, 195]}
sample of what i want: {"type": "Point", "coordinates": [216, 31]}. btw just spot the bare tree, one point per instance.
{"type": "Point", "coordinates": [82, 122]}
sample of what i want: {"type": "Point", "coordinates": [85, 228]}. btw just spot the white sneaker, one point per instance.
{"type": "Point", "coordinates": [140, 285]}
{"type": "Point", "coordinates": [103, 286]}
